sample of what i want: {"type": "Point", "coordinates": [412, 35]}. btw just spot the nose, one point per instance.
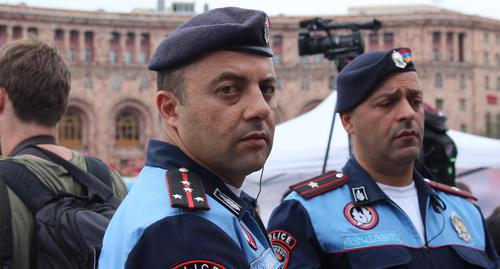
{"type": "Point", "coordinates": [257, 107]}
{"type": "Point", "coordinates": [406, 111]}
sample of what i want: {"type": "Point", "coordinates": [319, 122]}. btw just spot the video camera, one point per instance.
{"type": "Point", "coordinates": [339, 48]}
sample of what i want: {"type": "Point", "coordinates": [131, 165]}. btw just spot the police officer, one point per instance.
{"type": "Point", "coordinates": [378, 212]}
{"type": "Point", "coordinates": [216, 100]}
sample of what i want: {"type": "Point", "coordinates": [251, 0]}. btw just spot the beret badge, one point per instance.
{"type": "Point", "coordinates": [401, 57]}
{"type": "Point", "coordinates": [267, 30]}
{"type": "Point", "coordinates": [398, 60]}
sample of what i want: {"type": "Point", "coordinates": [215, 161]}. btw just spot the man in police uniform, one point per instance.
{"type": "Point", "coordinates": [216, 99]}
{"type": "Point", "coordinates": [379, 212]}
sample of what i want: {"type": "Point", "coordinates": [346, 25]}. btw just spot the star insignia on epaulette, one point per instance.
{"type": "Point", "coordinates": [320, 184]}
{"type": "Point", "coordinates": [313, 184]}
{"type": "Point", "coordinates": [186, 190]}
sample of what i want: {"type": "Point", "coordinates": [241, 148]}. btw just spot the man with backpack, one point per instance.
{"type": "Point", "coordinates": [41, 224]}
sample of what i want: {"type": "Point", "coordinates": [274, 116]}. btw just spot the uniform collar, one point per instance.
{"type": "Point", "coordinates": [364, 189]}
{"type": "Point", "coordinates": [167, 156]}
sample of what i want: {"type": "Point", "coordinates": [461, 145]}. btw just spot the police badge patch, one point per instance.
{"type": "Point", "coordinates": [363, 217]}
{"type": "Point", "coordinates": [460, 228]}
{"type": "Point", "coordinates": [198, 264]}
{"type": "Point", "coordinates": [283, 243]}
{"type": "Point", "coordinates": [282, 254]}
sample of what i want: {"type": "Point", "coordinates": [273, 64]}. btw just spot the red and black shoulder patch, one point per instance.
{"type": "Point", "coordinates": [185, 190]}
{"type": "Point", "coordinates": [451, 190]}
{"type": "Point", "coordinates": [320, 184]}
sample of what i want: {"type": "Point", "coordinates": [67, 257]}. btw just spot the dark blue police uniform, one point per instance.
{"type": "Point", "coordinates": [180, 215]}
{"type": "Point", "coordinates": [344, 220]}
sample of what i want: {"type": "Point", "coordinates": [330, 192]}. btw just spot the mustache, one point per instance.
{"type": "Point", "coordinates": [406, 128]}
{"type": "Point", "coordinates": [257, 130]}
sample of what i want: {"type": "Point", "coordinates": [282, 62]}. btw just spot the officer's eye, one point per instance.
{"type": "Point", "coordinates": [385, 103]}
{"type": "Point", "coordinates": [228, 90]}
{"type": "Point", "coordinates": [268, 90]}
{"type": "Point", "coordinates": [416, 103]}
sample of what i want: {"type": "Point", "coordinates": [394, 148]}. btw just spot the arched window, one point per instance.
{"type": "Point", "coordinates": [70, 129]}
{"type": "Point", "coordinates": [127, 131]}
{"type": "Point", "coordinates": [438, 81]}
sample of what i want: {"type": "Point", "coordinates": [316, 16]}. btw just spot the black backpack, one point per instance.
{"type": "Point", "coordinates": [68, 229]}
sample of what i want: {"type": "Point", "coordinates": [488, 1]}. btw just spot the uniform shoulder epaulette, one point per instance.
{"type": "Point", "coordinates": [320, 184]}
{"type": "Point", "coordinates": [451, 190]}
{"type": "Point", "coordinates": [185, 190]}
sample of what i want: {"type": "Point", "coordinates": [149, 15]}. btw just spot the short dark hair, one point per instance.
{"type": "Point", "coordinates": [173, 80]}
{"type": "Point", "coordinates": [36, 79]}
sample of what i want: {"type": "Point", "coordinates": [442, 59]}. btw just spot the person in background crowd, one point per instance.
{"type": "Point", "coordinates": [34, 89]}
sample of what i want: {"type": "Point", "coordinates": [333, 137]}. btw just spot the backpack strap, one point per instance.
{"type": "Point", "coordinates": [99, 169]}
{"type": "Point", "coordinates": [6, 240]}
{"type": "Point", "coordinates": [27, 187]}
{"type": "Point", "coordinates": [94, 166]}
{"type": "Point", "coordinates": [25, 184]}
{"type": "Point", "coordinates": [93, 184]}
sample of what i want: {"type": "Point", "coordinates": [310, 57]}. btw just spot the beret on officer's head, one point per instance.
{"type": "Point", "coordinates": [366, 72]}
{"type": "Point", "coordinates": [227, 28]}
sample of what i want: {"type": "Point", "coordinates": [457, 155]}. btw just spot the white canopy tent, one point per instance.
{"type": "Point", "coordinates": [300, 145]}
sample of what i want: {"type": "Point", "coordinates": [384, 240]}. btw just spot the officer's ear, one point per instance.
{"type": "Point", "coordinates": [346, 118]}
{"type": "Point", "coordinates": [166, 103]}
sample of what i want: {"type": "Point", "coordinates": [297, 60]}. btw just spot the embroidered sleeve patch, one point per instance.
{"type": "Point", "coordinates": [198, 264]}
{"type": "Point", "coordinates": [283, 242]}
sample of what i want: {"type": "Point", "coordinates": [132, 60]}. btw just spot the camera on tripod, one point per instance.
{"type": "Point", "coordinates": [339, 48]}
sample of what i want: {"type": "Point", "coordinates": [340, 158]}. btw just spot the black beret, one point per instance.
{"type": "Point", "coordinates": [227, 28]}
{"type": "Point", "coordinates": [362, 76]}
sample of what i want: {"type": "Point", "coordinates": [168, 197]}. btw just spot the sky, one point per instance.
{"type": "Point", "coordinates": [485, 8]}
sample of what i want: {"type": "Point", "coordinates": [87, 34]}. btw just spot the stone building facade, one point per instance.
{"type": "Point", "coordinates": [112, 114]}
